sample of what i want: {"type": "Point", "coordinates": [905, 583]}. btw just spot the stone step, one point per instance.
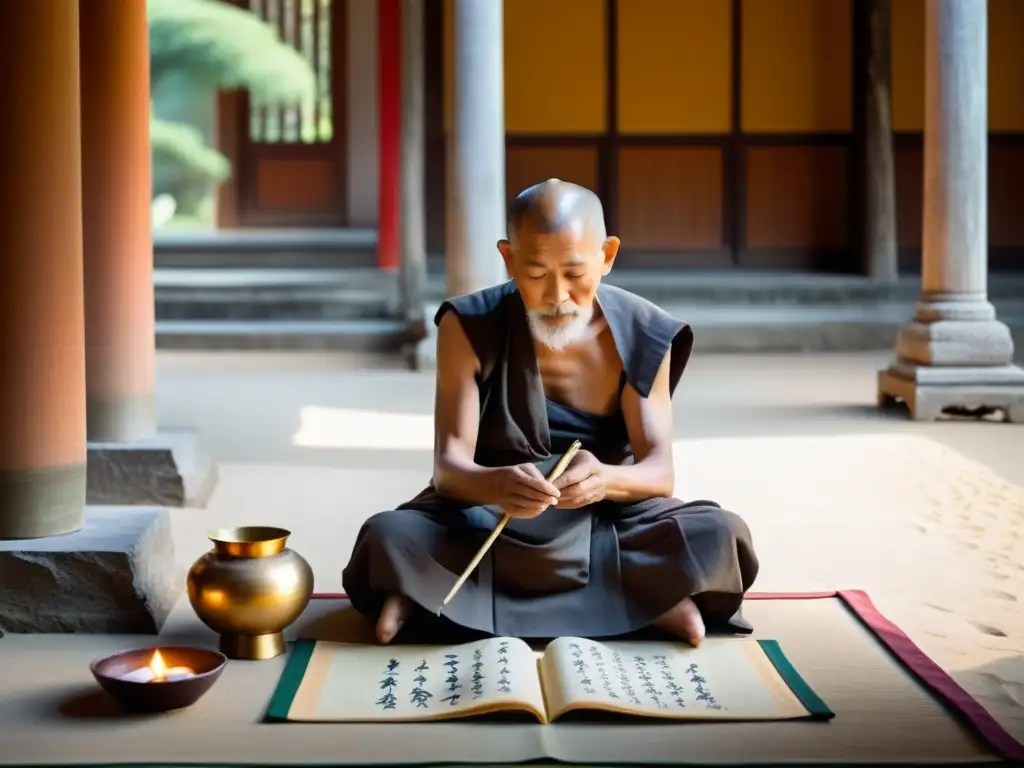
{"type": "Point", "coordinates": [272, 249]}
{"type": "Point", "coordinates": [333, 295]}
{"type": "Point", "coordinates": [724, 329]}
{"type": "Point", "coordinates": [384, 336]}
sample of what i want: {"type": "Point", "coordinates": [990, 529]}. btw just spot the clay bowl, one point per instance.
{"type": "Point", "coordinates": [115, 675]}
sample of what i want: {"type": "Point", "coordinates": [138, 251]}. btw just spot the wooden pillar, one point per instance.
{"type": "Point", "coordinates": [229, 119]}
{"type": "Point", "coordinates": [117, 235]}
{"type": "Point", "coordinates": [389, 58]}
{"type": "Point", "coordinates": [412, 210]}
{"type": "Point", "coordinates": [42, 344]}
{"type": "Point", "coordinates": [878, 182]}
{"type": "Point", "coordinates": [230, 123]}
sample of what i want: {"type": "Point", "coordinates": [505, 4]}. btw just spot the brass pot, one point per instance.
{"type": "Point", "coordinates": [249, 588]}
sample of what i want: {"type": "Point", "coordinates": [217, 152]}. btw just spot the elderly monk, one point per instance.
{"type": "Point", "coordinates": [523, 369]}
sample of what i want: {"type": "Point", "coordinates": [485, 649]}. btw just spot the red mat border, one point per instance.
{"type": "Point", "coordinates": [905, 650]}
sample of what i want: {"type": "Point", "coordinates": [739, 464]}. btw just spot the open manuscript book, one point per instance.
{"type": "Point", "coordinates": [723, 679]}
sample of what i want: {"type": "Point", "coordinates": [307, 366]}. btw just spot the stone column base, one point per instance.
{"type": "Point", "coordinates": [117, 575]}
{"type": "Point", "coordinates": [982, 342]}
{"type": "Point", "coordinates": [928, 391]}
{"type": "Point", "coordinates": [422, 355]}
{"type": "Point", "coordinates": [167, 470]}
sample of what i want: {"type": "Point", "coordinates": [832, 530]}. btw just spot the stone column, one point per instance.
{"type": "Point", "coordinates": [954, 353]}
{"type": "Point", "coordinates": [879, 166]}
{"type": "Point", "coordinates": [116, 179]}
{"type": "Point", "coordinates": [129, 462]}
{"type": "Point", "coordinates": [42, 344]}
{"type": "Point", "coordinates": [475, 206]}
{"type": "Point", "coordinates": [362, 136]}
{"type": "Point", "coordinates": [412, 202]}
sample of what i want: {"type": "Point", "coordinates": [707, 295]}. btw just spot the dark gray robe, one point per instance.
{"type": "Point", "coordinates": [606, 570]}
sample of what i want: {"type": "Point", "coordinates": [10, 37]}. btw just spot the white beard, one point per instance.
{"type": "Point", "coordinates": [559, 337]}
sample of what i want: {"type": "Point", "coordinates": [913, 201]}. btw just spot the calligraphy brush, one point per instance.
{"type": "Point", "coordinates": [555, 473]}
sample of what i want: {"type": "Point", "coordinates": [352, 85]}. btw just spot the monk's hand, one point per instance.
{"type": "Point", "coordinates": [522, 491]}
{"type": "Point", "coordinates": [582, 483]}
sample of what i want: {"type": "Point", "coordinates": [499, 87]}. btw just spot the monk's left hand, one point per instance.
{"type": "Point", "coordinates": [582, 483]}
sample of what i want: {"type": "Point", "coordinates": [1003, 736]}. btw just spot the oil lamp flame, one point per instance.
{"type": "Point", "coordinates": [158, 667]}
{"type": "Point", "coordinates": [157, 671]}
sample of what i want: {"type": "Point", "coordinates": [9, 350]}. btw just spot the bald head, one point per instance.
{"type": "Point", "coordinates": [553, 206]}
{"type": "Point", "coordinates": [557, 252]}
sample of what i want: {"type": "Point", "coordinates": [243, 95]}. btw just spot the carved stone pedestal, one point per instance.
{"type": "Point", "coordinates": [928, 391]}
{"type": "Point", "coordinates": [954, 355]}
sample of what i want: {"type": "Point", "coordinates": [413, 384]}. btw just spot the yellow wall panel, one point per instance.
{"type": "Point", "coordinates": [555, 66]}
{"type": "Point", "coordinates": [907, 49]}
{"type": "Point", "coordinates": [797, 66]}
{"type": "Point", "coordinates": [1006, 65]}
{"type": "Point", "coordinates": [674, 62]}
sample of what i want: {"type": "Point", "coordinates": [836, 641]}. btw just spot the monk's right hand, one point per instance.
{"type": "Point", "coordinates": [522, 491]}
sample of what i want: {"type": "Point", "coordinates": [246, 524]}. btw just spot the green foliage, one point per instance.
{"type": "Point", "coordinates": [225, 47]}
{"type": "Point", "coordinates": [182, 146]}
{"type": "Point", "coordinates": [196, 48]}
{"type": "Point", "coordinates": [185, 167]}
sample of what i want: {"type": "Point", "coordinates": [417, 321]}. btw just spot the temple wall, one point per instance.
{"type": "Point", "coordinates": [714, 141]}
{"type": "Point", "coordinates": [717, 143]}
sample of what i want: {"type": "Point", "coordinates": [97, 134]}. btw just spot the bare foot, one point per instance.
{"type": "Point", "coordinates": [683, 620]}
{"type": "Point", "coordinates": [392, 617]}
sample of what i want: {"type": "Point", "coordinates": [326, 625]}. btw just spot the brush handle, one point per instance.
{"type": "Point", "coordinates": [555, 473]}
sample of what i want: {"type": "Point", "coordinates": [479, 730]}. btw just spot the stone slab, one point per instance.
{"type": "Point", "coordinates": [929, 393]}
{"type": "Point", "coordinates": [169, 469]}
{"type": "Point", "coordinates": [946, 375]}
{"type": "Point", "coordinates": [117, 575]}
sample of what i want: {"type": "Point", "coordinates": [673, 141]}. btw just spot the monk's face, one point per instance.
{"type": "Point", "coordinates": [557, 274]}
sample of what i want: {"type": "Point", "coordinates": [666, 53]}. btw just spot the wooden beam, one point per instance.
{"type": "Point", "coordinates": [876, 166]}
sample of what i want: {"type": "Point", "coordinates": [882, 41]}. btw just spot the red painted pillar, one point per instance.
{"type": "Point", "coordinates": [389, 52]}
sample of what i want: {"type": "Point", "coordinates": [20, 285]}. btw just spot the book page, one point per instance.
{"type": "Point", "coordinates": [723, 679]}
{"type": "Point", "coordinates": [348, 683]}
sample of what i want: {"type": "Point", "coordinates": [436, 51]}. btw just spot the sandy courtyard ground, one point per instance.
{"type": "Point", "coordinates": [927, 518]}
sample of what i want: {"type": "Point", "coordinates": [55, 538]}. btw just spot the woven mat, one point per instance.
{"type": "Point", "coordinates": [891, 703]}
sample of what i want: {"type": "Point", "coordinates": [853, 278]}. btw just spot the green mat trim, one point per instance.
{"type": "Point", "coordinates": [812, 702]}
{"type": "Point", "coordinates": [291, 679]}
